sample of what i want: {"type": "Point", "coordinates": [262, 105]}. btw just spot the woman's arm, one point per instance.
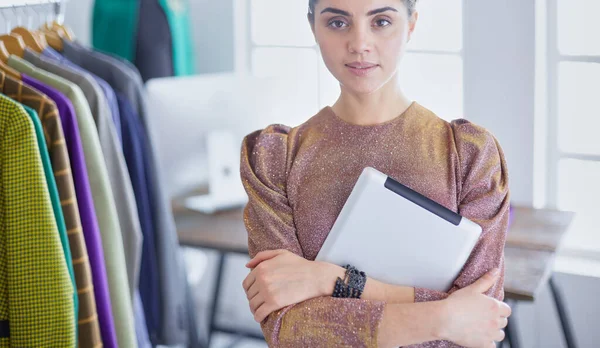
{"type": "Point", "coordinates": [299, 279]}
{"type": "Point", "coordinates": [374, 289]}
{"type": "Point", "coordinates": [467, 317]}
{"type": "Point", "coordinates": [269, 220]}
{"type": "Point", "coordinates": [484, 198]}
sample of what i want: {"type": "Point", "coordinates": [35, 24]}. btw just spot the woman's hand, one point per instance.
{"type": "Point", "coordinates": [280, 278]}
{"type": "Point", "coordinates": [472, 319]}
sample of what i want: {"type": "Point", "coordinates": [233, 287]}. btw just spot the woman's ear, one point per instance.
{"type": "Point", "coordinates": [311, 21]}
{"type": "Point", "coordinates": [412, 23]}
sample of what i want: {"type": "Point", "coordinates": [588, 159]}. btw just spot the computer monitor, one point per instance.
{"type": "Point", "coordinates": [185, 110]}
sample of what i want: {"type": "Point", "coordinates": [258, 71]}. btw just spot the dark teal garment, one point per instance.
{"type": "Point", "coordinates": [114, 26]}
{"type": "Point", "coordinates": [118, 28]}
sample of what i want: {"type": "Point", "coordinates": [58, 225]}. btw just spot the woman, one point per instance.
{"type": "Point", "coordinates": [298, 180]}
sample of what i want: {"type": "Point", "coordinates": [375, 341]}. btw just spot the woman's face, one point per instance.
{"type": "Point", "coordinates": [362, 41]}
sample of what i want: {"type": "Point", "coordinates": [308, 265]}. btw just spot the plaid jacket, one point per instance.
{"type": "Point", "coordinates": [36, 293]}
{"type": "Point", "coordinates": [89, 331]}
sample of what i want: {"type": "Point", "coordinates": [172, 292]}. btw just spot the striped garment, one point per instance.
{"type": "Point", "coordinates": [36, 293]}
{"type": "Point", "coordinates": [88, 328]}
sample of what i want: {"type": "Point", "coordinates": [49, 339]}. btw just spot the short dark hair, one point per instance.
{"type": "Point", "coordinates": [410, 6]}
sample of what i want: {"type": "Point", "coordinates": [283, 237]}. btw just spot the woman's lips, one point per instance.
{"type": "Point", "coordinates": [361, 69]}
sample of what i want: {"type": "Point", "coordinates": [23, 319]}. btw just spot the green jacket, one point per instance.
{"type": "Point", "coordinates": [36, 305]}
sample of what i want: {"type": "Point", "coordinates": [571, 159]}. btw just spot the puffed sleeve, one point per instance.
{"type": "Point", "coordinates": [483, 197]}
{"type": "Point", "coordinates": [269, 220]}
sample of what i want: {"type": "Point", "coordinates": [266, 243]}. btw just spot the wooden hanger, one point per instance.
{"type": "Point", "coordinates": [66, 30]}
{"type": "Point", "coordinates": [29, 38]}
{"type": "Point", "coordinates": [53, 39]}
{"type": "Point", "coordinates": [14, 44]}
{"type": "Point", "coordinates": [41, 38]}
{"type": "Point", "coordinates": [3, 66]}
{"type": "Point", "coordinates": [3, 52]}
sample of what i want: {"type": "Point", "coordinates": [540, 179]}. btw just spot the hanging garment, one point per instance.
{"type": "Point", "coordinates": [155, 34]}
{"type": "Point", "coordinates": [46, 109]}
{"type": "Point", "coordinates": [51, 182]}
{"type": "Point", "coordinates": [113, 19]}
{"type": "Point", "coordinates": [109, 93]}
{"type": "Point", "coordinates": [104, 201]}
{"type": "Point", "coordinates": [29, 236]}
{"type": "Point", "coordinates": [178, 15]}
{"type": "Point", "coordinates": [133, 146]}
{"type": "Point", "coordinates": [154, 46]}
{"type": "Point", "coordinates": [175, 327]}
{"type": "Point", "coordinates": [141, 328]}
{"type": "Point", "coordinates": [56, 205]}
{"type": "Point", "coordinates": [87, 211]}
{"type": "Point", "coordinates": [113, 155]}
{"type": "Point", "coordinates": [150, 291]}
{"type": "Point", "coordinates": [139, 316]}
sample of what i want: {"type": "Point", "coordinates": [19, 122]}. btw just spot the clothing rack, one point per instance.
{"type": "Point", "coordinates": [14, 5]}
{"type": "Point", "coordinates": [5, 4]}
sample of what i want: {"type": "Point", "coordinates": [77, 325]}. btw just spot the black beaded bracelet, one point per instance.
{"type": "Point", "coordinates": [353, 284]}
{"type": "Point", "coordinates": [357, 280]}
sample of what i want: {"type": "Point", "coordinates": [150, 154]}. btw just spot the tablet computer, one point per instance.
{"type": "Point", "coordinates": [398, 236]}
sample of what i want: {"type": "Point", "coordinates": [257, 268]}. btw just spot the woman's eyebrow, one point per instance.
{"type": "Point", "coordinates": [380, 10]}
{"type": "Point", "coordinates": [347, 14]}
{"type": "Point", "coordinates": [336, 11]}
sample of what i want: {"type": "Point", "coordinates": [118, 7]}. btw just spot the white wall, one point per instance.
{"type": "Point", "coordinates": [499, 57]}
{"type": "Point", "coordinates": [78, 16]}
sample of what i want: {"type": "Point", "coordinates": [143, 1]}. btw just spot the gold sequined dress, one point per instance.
{"type": "Point", "coordinates": [298, 180]}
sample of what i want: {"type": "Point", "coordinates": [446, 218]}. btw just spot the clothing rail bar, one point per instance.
{"type": "Point", "coordinates": [11, 4]}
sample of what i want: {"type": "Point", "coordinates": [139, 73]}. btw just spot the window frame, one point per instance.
{"type": "Point", "coordinates": [251, 46]}
{"type": "Point", "coordinates": [553, 153]}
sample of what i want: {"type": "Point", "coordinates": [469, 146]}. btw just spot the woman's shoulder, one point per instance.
{"type": "Point", "coordinates": [272, 148]}
{"type": "Point", "coordinates": [277, 134]}
{"type": "Point", "coordinates": [470, 138]}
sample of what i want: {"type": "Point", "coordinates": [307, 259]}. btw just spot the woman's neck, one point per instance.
{"type": "Point", "coordinates": [378, 107]}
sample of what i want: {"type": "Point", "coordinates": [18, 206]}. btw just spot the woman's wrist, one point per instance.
{"type": "Point", "coordinates": [443, 318]}
{"type": "Point", "coordinates": [326, 274]}
{"type": "Point", "coordinates": [376, 290]}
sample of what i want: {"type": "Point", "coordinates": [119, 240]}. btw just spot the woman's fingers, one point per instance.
{"type": "Point", "coordinates": [503, 322]}
{"type": "Point", "coordinates": [256, 302]}
{"type": "Point", "coordinates": [499, 336]}
{"type": "Point", "coordinates": [262, 312]}
{"type": "Point", "coordinates": [247, 283]}
{"type": "Point", "coordinates": [253, 291]}
{"type": "Point", "coordinates": [484, 283]}
{"type": "Point", "coordinates": [263, 256]}
{"type": "Point", "coordinates": [505, 310]}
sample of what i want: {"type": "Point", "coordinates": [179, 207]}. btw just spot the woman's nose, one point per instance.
{"type": "Point", "coordinates": [360, 41]}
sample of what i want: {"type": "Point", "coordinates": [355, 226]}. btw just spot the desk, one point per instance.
{"type": "Point", "coordinates": [532, 241]}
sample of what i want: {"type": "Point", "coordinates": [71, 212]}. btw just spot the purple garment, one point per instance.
{"type": "Point", "coordinates": [87, 211]}
{"type": "Point", "coordinates": [107, 90]}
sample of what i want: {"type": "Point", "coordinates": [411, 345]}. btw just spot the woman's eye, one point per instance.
{"type": "Point", "coordinates": [337, 24]}
{"type": "Point", "coordinates": [382, 23]}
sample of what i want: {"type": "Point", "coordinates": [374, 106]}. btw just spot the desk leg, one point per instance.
{"type": "Point", "coordinates": [562, 314]}
{"type": "Point", "coordinates": [511, 331]}
{"type": "Point", "coordinates": [216, 290]}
